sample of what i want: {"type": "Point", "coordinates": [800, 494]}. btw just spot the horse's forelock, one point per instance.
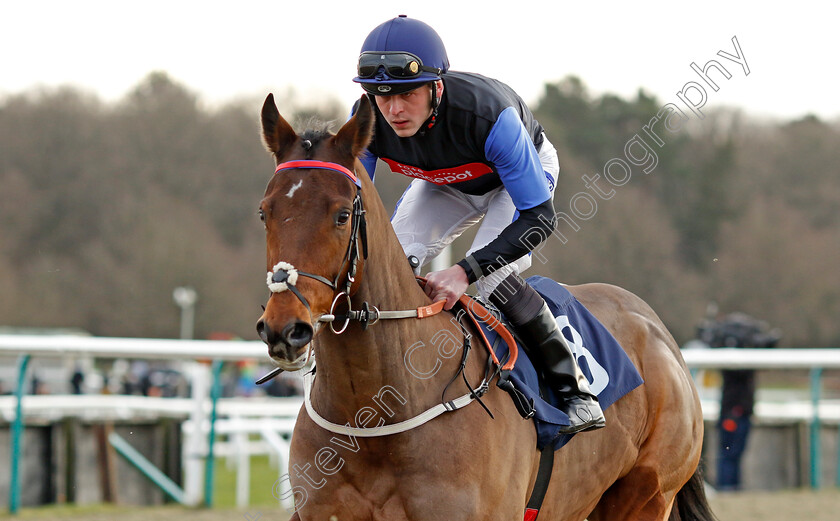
{"type": "Point", "coordinates": [312, 137]}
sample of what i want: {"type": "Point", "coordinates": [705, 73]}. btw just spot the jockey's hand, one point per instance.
{"type": "Point", "coordinates": [447, 284]}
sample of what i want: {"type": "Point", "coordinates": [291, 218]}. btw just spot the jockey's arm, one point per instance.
{"type": "Point", "coordinates": [519, 238]}
{"type": "Point", "coordinates": [512, 151]}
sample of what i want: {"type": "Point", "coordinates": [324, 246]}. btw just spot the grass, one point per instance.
{"type": "Point", "coordinates": [63, 511]}
{"type": "Point", "coordinates": [263, 477]}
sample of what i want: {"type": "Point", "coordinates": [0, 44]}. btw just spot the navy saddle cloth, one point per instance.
{"type": "Point", "coordinates": [610, 372]}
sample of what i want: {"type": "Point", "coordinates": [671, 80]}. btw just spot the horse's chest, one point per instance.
{"type": "Point", "coordinates": [347, 503]}
{"type": "Point", "coordinates": [383, 496]}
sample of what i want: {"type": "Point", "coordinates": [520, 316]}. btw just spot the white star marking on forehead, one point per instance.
{"type": "Point", "coordinates": [294, 189]}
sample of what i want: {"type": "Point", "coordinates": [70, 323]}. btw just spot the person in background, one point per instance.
{"type": "Point", "coordinates": [737, 399]}
{"type": "Point", "coordinates": [77, 381]}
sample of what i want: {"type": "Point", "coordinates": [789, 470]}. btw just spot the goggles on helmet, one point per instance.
{"type": "Point", "coordinates": [397, 64]}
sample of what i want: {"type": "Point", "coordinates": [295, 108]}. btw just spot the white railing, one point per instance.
{"type": "Point", "coordinates": [147, 348]}
{"type": "Point", "coordinates": [166, 349]}
{"type": "Point", "coordinates": [732, 358]}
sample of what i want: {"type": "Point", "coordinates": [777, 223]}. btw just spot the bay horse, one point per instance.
{"type": "Point", "coordinates": [330, 246]}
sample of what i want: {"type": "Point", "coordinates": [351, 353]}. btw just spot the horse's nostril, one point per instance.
{"type": "Point", "coordinates": [263, 331]}
{"type": "Point", "coordinates": [297, 334]}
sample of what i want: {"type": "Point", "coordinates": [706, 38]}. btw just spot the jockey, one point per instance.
{"type": "Point", "coordinates": [475, 151]}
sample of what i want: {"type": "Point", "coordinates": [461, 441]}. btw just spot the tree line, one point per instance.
{"type": "Point", "coordinates": [106, 208]}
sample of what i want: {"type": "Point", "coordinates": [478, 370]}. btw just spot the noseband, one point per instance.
{"type": "Point", "coordinates": [284, 276]}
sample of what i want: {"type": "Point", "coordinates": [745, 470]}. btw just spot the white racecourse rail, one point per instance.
{"type": "Point", "coordinates": [52, 346]}
{"type": "Point", "coordinates": [166, 349]}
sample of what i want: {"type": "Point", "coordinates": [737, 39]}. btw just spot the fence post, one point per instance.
{"type": "Point", "coordinates": [195, 441]}
{"type": "Point", "coordinates": [17, 436]}
{"type": "Point", "coordinates": [210, 462]}
{"type": "Point", "coordinates": [816, 374]}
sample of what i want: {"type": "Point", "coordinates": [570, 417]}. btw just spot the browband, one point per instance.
{"type": "Point", "coordinates": [325, 165]}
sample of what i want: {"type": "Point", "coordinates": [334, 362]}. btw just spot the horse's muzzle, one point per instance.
{"type": "Point", "coordinates": [286, 343]}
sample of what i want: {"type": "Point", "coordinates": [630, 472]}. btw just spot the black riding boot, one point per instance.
{"type": "Point", "coordinates": [537, 328]}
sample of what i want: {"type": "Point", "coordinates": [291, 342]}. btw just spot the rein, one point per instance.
{"type": "Point", "coordinates": [502, 371]}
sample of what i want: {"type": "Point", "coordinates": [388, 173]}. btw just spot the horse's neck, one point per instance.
{"type": "Point", "coordinates": [357, 365]}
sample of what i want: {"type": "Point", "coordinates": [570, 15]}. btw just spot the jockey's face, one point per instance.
{"type": "Point", "coordinates": [407, 112]}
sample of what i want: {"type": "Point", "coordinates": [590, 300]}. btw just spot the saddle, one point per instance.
{"type": "Point", "coordinates": [609, 370]}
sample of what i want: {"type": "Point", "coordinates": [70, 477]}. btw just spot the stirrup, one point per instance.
{"type": "Point", "coordinates": [582, 404]}
{"type": "Point", "coordinates": [595, 424]}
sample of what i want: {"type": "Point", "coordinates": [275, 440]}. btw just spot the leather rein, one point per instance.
{"type": "Point", "coordinates": [284, 277]}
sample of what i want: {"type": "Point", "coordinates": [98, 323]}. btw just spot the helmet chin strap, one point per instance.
{"type": "Point", "coordinates": [435, 104]}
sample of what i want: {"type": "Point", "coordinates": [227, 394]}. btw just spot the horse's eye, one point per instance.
{"type": "Point", "coordinates": [342, 217]}
{"type": "Point", "coordinates": [262, 215]}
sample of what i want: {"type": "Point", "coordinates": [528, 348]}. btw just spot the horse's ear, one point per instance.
{"type": "Point", "coordinates": [277, 133]}
{"type": "Point", "coordinates": [356, 134]}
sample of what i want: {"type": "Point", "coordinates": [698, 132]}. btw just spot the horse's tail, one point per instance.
{"type": "Point", "coordinates": [691, 503]}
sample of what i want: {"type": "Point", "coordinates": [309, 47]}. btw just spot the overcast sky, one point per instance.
{"type": "Point", "coordinates": [226, 50]}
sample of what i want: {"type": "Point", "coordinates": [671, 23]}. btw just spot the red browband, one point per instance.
{"type": "Point", "coordinates": [325, 165]}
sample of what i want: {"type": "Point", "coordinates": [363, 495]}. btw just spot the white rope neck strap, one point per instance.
{"type": "Point", "coordinates": [384, 430]}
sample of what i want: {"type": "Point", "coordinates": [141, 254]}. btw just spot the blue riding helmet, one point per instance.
{"type": "Point", "coordinates": [401, 55]}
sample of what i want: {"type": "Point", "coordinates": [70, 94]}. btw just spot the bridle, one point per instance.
{"type": "Point", "coordinates": [284, 276]}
